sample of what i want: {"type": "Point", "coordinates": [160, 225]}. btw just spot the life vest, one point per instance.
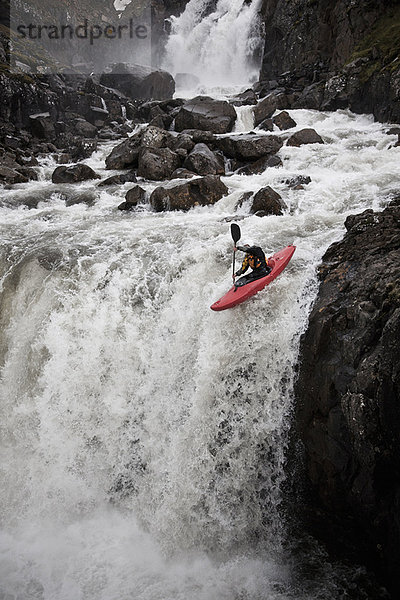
{"type": "Point", "coordinates": [256, 258]}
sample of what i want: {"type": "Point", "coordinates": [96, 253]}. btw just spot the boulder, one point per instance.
{"type": "Point", "coordinates": [266, 125]}
{"type": "Point", "coordinates": [155, 137]}
{"type": "Point", "coordinates": [84, 128]}
{"type": "Point", "coordinates": [73, 174]}
{"type": "Point", "coordinates": [298, 181]}
{"type": "Point", "coordinates": [181, 141]}
{"type": "Point", "coordinates": [119, 179]}
{"type": "Point", "coordinates": [249, 146]}
{"type": "Point", "coordinates": [305, 136]}
{"type": "Point", "coordinates": [284, 121]}
{"type": "Point", "coordinates": [183, 196]}
{"type": "Point", "coordinates": [133, 197]}
{"type": "Point", "coordinates": [203, 161]}
{"type": "Point", "coordinates": [157, 163]}
{"type": "Point", "coordinates": [268, 202]}
{"type": "Point", "coordinates": [266, 107]}
{"type": "Point", "coordinates": [259, 166]}
{"type": "Point", "coordinates": [246, 98]}
{"type": "Point", "coordinates": [11, 176]}
{"type": "Point", "coordinates": [206, 114]}
{"type": "Point", "coordinates": [126, 154]}
{"type": "Point", "coordinates": [41, 126]}
{"type": "Point", "coordinates": [182, 174]}
{"type": "Point", "coordinates": [88, 198]}
{"type": "Point", "coordinates": [139, 82]}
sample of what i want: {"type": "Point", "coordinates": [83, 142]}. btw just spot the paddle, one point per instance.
{"type": "Point", "coordinates": [235, 232]}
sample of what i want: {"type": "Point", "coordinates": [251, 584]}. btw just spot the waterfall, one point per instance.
{"type": "Point", "coordinates": [218, 42]}
{"type": "Point", "coordinates": [143, 435]}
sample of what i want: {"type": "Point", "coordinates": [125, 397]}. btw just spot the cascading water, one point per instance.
{"type": "Point", "coordinates": [218, 42]}
{"type": "Point", "coordinates": [143, 436]}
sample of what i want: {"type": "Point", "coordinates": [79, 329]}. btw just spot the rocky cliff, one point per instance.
{"type": "Point", "coordinates": [348, 393]}
{"type": "Point", "coordinates": [335, 54]}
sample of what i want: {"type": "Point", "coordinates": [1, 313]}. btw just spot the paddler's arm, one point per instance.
{"type": "Point", "coordinates": [244, 267]}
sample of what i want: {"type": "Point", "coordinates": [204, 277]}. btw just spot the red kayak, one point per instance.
{"type": "Point", "coordinates": [238, 295]}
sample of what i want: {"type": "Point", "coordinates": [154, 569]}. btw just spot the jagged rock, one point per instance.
{"type": "Point", "coordinates": [200, 137]}
{"type": "Point", "coordinates": [311, 97]}
{"type": "Point", "coordinates": [154, 137]}
{"type": "Point", "coordinates": [348, 391]}
{"type": "Point", "coordinates": [157, 163]}
{"type": "Point", "coordinates": [125, 154]}
{"type": "Point", "coordinates": [284, 121]}
{"type": "Point", "coordinates": [203, 161]}
{"type": "Point", "coordinates": [119, 179]}
{"type": "Point", "coordinates": [73, 174]}
{"type": "Point", "coordinates": [249, 146]}
{"type": "Point", "coordinates": [246, 98]}
{"type": "Point", "coordinates": [298, 182]}
{"type": "Point", "coordinates": [139, 82]}
{"type": "Point", "coordinates": [266, 107]}
{"type": "Point", "coordinates": [259, 166]}
{"type": "Point", "coordinates": [183, 196]}
{"type": "Point", "coordinates": [206, 114]}
{"type": "Point", "coordinates": [268, 202]}
{"type": "Point", "coordinates": [133, 197]}
{"type": "Point", "coordinates": [29, 173]}
{"type": "Point", "coordinates": [305, 136]}
{"type": "Point", "coordinates": [181, 141]}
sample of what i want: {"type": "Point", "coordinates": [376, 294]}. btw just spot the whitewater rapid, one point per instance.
{"type": "Point", "coordinates": [143, 436]}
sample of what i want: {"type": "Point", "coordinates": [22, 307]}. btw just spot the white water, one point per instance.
{"type": "Point", "coordinates": [216, 45]}
{"type": "Point", "coordinates": [142, 434]}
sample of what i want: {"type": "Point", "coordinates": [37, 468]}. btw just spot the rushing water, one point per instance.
{"type": "Point", "coordinates": [143, 436]}
{"type": "Point", "coordinates": [218, 42]}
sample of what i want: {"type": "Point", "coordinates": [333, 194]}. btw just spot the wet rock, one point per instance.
{"type": "Point", "coordinates": [266, 107]}
{"type": "Point", "coordinates": [246, 98]}
{"type": "Point", "coordinates": [305, 136]}
{"type": "Point", "coordinates": [183, 196]}
{"type": "Point", "coordinates": [298, 182]}
{"type": "Point", "coordinates": [203, 161]}
{"type": "Point", "coordinates": [200, 137]}
{"type": "Point", "coordinates": [88, 198]}
{"type": "Point", "coordinates": [266, 125]}
{"type": "Point", "coordinates": [10, 176]}
{"type": "Point", "coordinates": [119, 179]}
{"type": "Point", "coordinates": [181, 141]}
{"type": "Point", "coordinates": [126, 154]}
{"type": "Point", "coordinates": [182, 174]}
{"type": "Point", "coordinates": [73, 174]}
{"type": "Point", "coordinates": [133, 197]}
{"type": "Point", "coordinates": [260, 165]}
{"type": "Point", "coordinates": [154, 137]}
{"type": "Point", "coordinates": [206, 114]}
{"type": "Point", "coordinates": [139, 82]}
{"type": "Point", "coordinates": [157, 163]}
{"type": "Point", "coordinates": [268, 202]}
{"type": "Point", "coordinates": [284, 121]}
{"type": "Point", "coordinates": [41, 126]}
{"type": "Point", "coordinates": [249, 146]}
{"type": "Point", "coordinates": [85, 128]}
{"type": "Point", "coordinates": [348, 390]}
{"type": "Point", "coordinates": [29, 173]}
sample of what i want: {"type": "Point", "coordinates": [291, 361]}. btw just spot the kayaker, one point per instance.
{"type": "Point", "coordinates": [255, 259]}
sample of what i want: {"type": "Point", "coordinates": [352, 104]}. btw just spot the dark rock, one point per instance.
{"type": "Point", "coordinates": [246, 98]}
{"type": "Point", "coordinates": [88, 198]}
{"type": "Point", "coordinates": [305, 136]}
{"type": "Point", "coordinates": [206, 114]}
{"type": "Point", "coordinates": [266, 125]}
{"type": "Point", "coordinates": [200, 137]}
{"type": "Point", "coordinates": [133, 197]}
{"type": "Point", "coordinates": [268, 201]}
{"type": "Point", "coordinates": [182, 174]}
{"type": "Point", "coordinates": [348, 392]}
{"type": "Point", "coordinates": [154, 137]}
{"type": "Point", "coordinates": [311, 97]}
{"type": "Point", "coordinates": [73, 174]}
{"type": "Point", "coordinates": [259, 166]}
{"type": "Point", "coordinates": [97, 115]}
{"type": "Point", "coordinates": [203, 161]}
{"type": "Point", "coordinates": [139, 82]}
{"type": "Point", "coordinates": [183, 196]}
{"type": "Point", "coordinates": [84, 128]}
{"type": "Point", "coordinates": [266, 107]}
{"type": "Point", "coordinates": [10, 176]}
{"type": "Point", "coordinates": [119, 179]}
{"type": "Point", "coordinates": [181, 141]}
{"type": "Point", "coordinates": [42, 126]}
{"type": "Point", "coordinates": [157, 163]}
{"type": "Point", "coordinates": [284, 121]}
{"type": "Point", "coordinates": [298, 181]}
{"type": "Point", "coordinates": [249, 146]}
{"type": "Point", "coordinates": [29, 173]}
{"type": "Point", "coordinates": [126, 154]}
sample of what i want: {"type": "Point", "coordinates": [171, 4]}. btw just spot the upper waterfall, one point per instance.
{"type": "Point", "coordinates": [218, 42]}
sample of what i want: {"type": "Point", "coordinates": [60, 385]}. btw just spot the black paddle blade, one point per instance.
{"type": "Point", "coordinates": [235, 231]}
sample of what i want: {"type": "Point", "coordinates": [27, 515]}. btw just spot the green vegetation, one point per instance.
{"type": "Point", "coordinates": [381, 46]}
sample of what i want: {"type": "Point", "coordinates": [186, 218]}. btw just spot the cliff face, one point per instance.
{"type": "Point", "coordinates": [339, 54]}
{"type": "Point", "coordinates": [348, 390]}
